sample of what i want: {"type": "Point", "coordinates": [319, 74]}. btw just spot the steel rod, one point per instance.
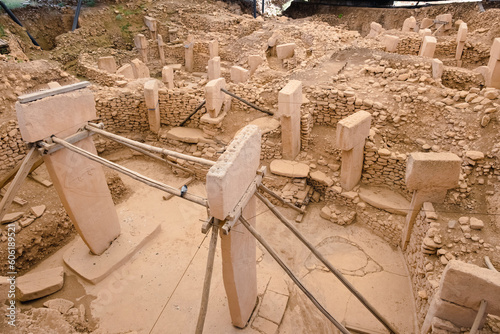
{"type": "Point", "coordinates": [270, 192]}
{"type": "Point", "coordinates": [194, 112]}
{"type": "Point", "coordinates": [320, 257]}
{"type": "Point", "coordinates": [291, 275]}
{"type": "Point", "coordinates": [208, 277]}
{"type": "Point", "coordinates": [479, 317]}
{"type": "Point", "coordinates": [150, 148]}
{"type": "Point", "coordinates": [136, 176]}
{"type": "Point", "coordinates": [246, 102]}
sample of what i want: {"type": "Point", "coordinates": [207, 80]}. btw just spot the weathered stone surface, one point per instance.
{"type": "Point", "coordinates": [254, 62]}
{"type": "Point", "coordinates": [428, 47]}
{"type": "Point", "coordinates": [213, 48]}
{"type": "Point", "coordinates": [437, 68]}
{"type": "Point", "coordinates": [11, 217]}
{"type": "Point", "coordinates": [127, 71]}
{"type": "Point", "coordinates": [391, 43]}
{"type": "Point", "coordinates": [385, 199]}
{"type": "Point", "coordinates": [476, 224]}
{"type": "Point", "coordinates": [140, 69]}
{"type": "Point", "coordinates": [237, 167]}
{"type": "Point", "coordinates": [289, 168]}
{"type": "Point", "coordinates": [432, 170]}
{"type": "Point", "coordinates": [289, 104]}
{"type": "Point", "coordinates": [266, 124]}
{"type": "Point", "coordinates": [273, 306]}
{"type": "Point", "coordinates": [474, 155]}
{"type": "Point", "coordinates": [39, 284]}
{"type": "Point", "coordinates": [107, 64]}
{"type": "Point", "coordinates": [187, 135]}
{"type": "Point", "coordinates": [213, 68]}
{"type": "Point", "coordinates": [59, 304]}
{"type": "Point", "coordinates": [167, 76]}
{"type": "Point", "coordinates": [409, 24]}
{"type": "Point", "coordinates": [214, 96]}
{"type": "Point", "coordinates": [45, 320]}
{"type": "Point", "coordinates": [239, 74]}
{"type": "Point", "coordinates": [41, 119]}
{"type": "Point", "coordinates": [321, 177]}
{"type": "Point", "coordinates": [285, 50]}
{"type": "Point", "coordinates": [467, 284]}
{"type": "Point", "coordinates": [353, 130]}
{"type": "Point", "coordinates": [38, 210]}
{"type": "Point", "coordinates": [152, 103]}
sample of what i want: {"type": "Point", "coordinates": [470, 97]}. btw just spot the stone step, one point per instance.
{"type": "Point", "coordinates": [384, 199]}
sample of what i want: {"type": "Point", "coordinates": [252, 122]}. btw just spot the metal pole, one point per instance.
{"type": "Point", "coordinates": [263, 7]}
{"type": "Point", "coordinates": [292, 276]}
{"type": "Point", "coordinates": [254, 9]}
{"type": "Point", "coordinates": [95, 128]}
{"type": "Point", "coordinates": [77, 14]}
{"type": "Point", "coordinates": [337, 273]}
{"type": "Point", "coordinates": [208, 277]}
{"type": "Point", "coordinates": [479, 317]}
{"type": "Point", "coordinates": [136, 176]}
{"type": "Point", "coordinates": [194, 112]}
{"type": "Point", "coordinates": [246, 102]}
{"type": "Point", "coordinates": [14, 18]}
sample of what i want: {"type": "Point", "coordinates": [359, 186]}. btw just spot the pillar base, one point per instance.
{"type": "Point", "coordinates": [95, 268]}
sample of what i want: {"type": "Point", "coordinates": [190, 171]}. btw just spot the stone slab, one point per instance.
{"type": "Point", "coordinates": [284, 51]}
{"type": "Point", "coordinates": [213, 48]}
{"type": "Point", "coordinates": [428, 47]}
{"type": "Point", "coordinates": [187, 135]}
{"type": "Point", "coordinates": [61, 115]}
{"type": "Point", "coordinates": [495, 49]}
{"type": "Point", "coordinates": [151, 98]}
{"type": "Point", "coordinates": [353, 130]}
{"type": "Point", "coordinates": [266, 124]}
{"type": "Point", "coordinates": [59, 304]}
{"type": "Point", "coordinates": [391, 43]}
{"type": "Point", "coordinates": [140, 69]}
{"type": "Point", "coordinates": [437, 68]}
{"type": "Point", "coordinates": [409, 24]}
{"type": "Point", "coordinates": [38, 210]}
{"type": "Point", "coordinates": [432, 170]}
{"type": "Point", "coordinates": [107, 64]}
{"type": "Point", "coordinates": [239, 74]}
{"type": "Point", "coordinates": [321, 177]}
{"type": "Point", "coordinates": [213, 69]}
{"type": "Point", "coordinates": [273, 306]}
{"type": "Point", "coordinates": [352, 166]}
{"type": "Point", "coordinates": [94, 268]}
{"type": "Point", "coordinates": [289, 168]}
{"type": "Point", "coordinates": [214, 96]}
{"type": "Point", "coordinates": [11, 217]}
{"type": "Point", "coordinates": [206, 118]}
{"type": "Point", "coordinates": [426, 23]}
{"type": "Point", "coordinates": [39, 284]}
{"type": "Point", "coordinates": [237, 167]}
{"type": "Point", "coordinates": [466, 284]}
{"type": "Point", "coordinates": [254, 61]}
{"type": "Point", "coordinates": [127, 71]}
{"type": "Point", "coordinates": [462, 32]}
{"type": "Point", "coordinates": [167, 76]}
{"type": "Point", "coordinates": [384, 199]}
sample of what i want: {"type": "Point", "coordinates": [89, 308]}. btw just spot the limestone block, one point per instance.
{"type": "Point", "coordinates": [425, 32]}
{"type": "Point", "coordinates": [141, 42]}
{"type": "Point", "coordinates": [61, 115]}
{"type": "Point", "coordinates": [107, 64]}
{"type": "Point", "coordinates": [161, 51]}
{"type": "Point", "coordinates": [167, 76]}
{"type": "Point", "coordinates": [353, 130]}
{"type": "Point", "coordinates": [410, 24]}
{"type": "Point", "coordinates": [376, 27]}
{"type": "Point", "coordinates": [321, 178]}
{"type": "Point", "coordinates": [214, 96]}
{"type": "Point", "coordinates": [391, 43]}
{"type": "Point", "coordinates": [432, 170]}
{"type": "Point", "coordinates": [189, 53]}
{"type": "Point", "coordinates": [426, 23]}
{"type": "Point", "coordinates": [446, 18]}
{"type": "Point", "coordinates": [466, 284]}
{"type": "Point", "coordinates": [127, 71]}
{"type": "Point", "coordinates": [213, 48]}
{"type": "Point", "coordinates": [285, 50]}
{"type": "Point", "coordinates": [273, 306]}
{"type": "Point", "coordinates": [39, 284]}
{"type": "Point", "coordinates": [289, 168]}
{"type": "Point", "coordinates": [214, 68]}
{"type": "Point", "coordinates": [352, 166]}
{"type": "Point", "coordinates": [495, 49]}
{"type": "Point", "coordinates": [234, 171]}
{"type": "Point", "coordinates": [151, 23]}
{"type": "Point", "coordinates": [289, 104]}
{"type": "Point", "coordinates": [437, 69]}
{"type": "Point", "coordinates": [151, 98]}
{"type": "Point", "coordinates": [254, 62]}
{"type": "Point", "coordinates": [140, 69]}
{"type": "Point", "coordinates": [428, 47]}
{"type": "Point", "coordinates": [462, 33]}
{"type": "Point", "coordinates": [493, 73]}
{"type": "Point", "coordinates": [239, 74]}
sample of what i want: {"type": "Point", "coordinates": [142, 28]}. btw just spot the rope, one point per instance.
{"type": "Point", "coordinates": [136, 176]}
{"type": "Point", "coordinates": [292, 276]}
{"type": "Point", "coordinates": [95, 128]}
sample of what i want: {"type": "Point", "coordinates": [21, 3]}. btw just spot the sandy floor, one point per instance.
{"type": "Point", "coordinates": [159, 289]}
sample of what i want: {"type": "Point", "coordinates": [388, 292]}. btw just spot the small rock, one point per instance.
{"type": "Point", "coordinates": [38, 210]}
{"type": "Point", "coordinates": [476, 224]}
{"type": "Point", "coordinates": [11, 217]}
{"type": "Point", "coordinates": [474, 155]}
{"type": "Point", "coordinates": [452, 224]}
{"type": "Point", "coordinates": [463, 220]}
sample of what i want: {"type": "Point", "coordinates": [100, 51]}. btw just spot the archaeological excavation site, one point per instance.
{"type": "Point", "coordinates": [225, 167]}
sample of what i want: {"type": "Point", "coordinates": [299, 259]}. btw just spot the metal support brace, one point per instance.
{"type": "Point", "coordinates": [235, 215]}
{"type": "Point", "coordinates": [49, 147]}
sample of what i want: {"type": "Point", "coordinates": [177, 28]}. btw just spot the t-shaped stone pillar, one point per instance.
{"type": "Point", "coordinates": [213, 48]}
{"type": "Point", "coordinates": [351, 135]}
{"type": "Point", "coordinates": [428, 47]}
{"type": "Point", "coordinates": [141, 43]}
{"type": "Point", "coordinates": [167, 76]}
{"type": "Point", "coordinates": [461, 38]}
{"type": "Point", "coordinates": [161, 51]}
{"type": "Point", "coordinates": [493, 79]}
{"type": "Point", "coordinates": [80, 183]}
{"type": "Point", "coordinates": [289, 103]}
{"type": "Point", "coordinates": [151, 97]}
{"type": "Point", "coordinates": [227, 181]}
{"type": "Point", "coordinates": [429, 176]}
{"type": "Point", "coordinates": [215, 96]}
{"type": "Point", "coordinates": [214, 68]}
{"type": "Point", "coordinates": [189, 53]}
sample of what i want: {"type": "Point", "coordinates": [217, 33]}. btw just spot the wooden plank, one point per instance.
{"type": "Point", "coordinates": [12, 173]}
{"type": "Point", "coordinates": [39, 179]}
{"type": "Point", "coordinates": [51, 92]}
{"type": "Point", "coordinates": [17, 200]}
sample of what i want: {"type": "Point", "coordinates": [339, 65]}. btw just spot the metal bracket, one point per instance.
{"type": "Point", "coordinates": [48, 147]}
{"type": "Point", "coordinates": [235, 214]}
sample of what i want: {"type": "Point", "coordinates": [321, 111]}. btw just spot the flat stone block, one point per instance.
{"type": "Point", "coordinates": [11, 217]}
{"type": "Point", "coordinates": [61, 115]}
{"type": "Point", "coordinates": [233, 173]}
{"type": "Point", "coordinates": [39, 284]}
{"type": "Point", "coordinates": [462, 32]}
{"type": "Point", "coordinates": [446, 18]}
{"type": "Point", "coordinates": [187, 135]}
{"type": "Point", "coordinates": [432, 170]}
{"type": "Point", "coordinates": [140, 69]}
{"type": "Point", "coordinates": [409, 24]}
{"type": "Point", "coordinates": [107, 64]}
{"type": "Point", "coordinates": [426, 23]}
{"type": "Point", "coordinates": [150, 23]}
{"type": "Point", "coordinates": [94, 268]}
{"type": "Point", "coordinates": [254, 61]}
{"type": "Point", "coordinates": [289, 168]}
{"type": "Point", "coordinates": [467, 284]}
{"type": "Point", "coordinates": [266, 124]}
{"type": "Point", "coordinates": [391, 43]}
{"type": "Point", "coordinates": [273, 306]}
{"type": "Point", "coordinates": [265, 326]}
{"type": "Point", "coordinates": [213, 48]}
{"type": "Point", "coordinates": [127, 71]}
{"type": "Point", "coordinates": [285, 50]}
{"type": "Point", "coordinates": [321, 177]}
{"type": "Point", "coordinates": [239, 74]}
{"type": "Point", "coordinates": [437, 68]}
{"type": "Point", "coordinates": [385, 199]}
{"type": "Point", "coordinates": [353, 130]}
{"type": "Point", "coordinates": [206, 118]}
{"type": "Point", "coordinates": [213, 68]}
{"type": "Point", "coordinates": [140, 41]}
{"type": "Point", "coordinates": [290, 98]}
{"type": "Point", "coordinates": [428, 47]}
{"type": "Point", "coordinates": [167, 76]}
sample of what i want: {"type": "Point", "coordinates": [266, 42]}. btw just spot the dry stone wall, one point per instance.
{"type": "Point", "coordinates": [12, 147]}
